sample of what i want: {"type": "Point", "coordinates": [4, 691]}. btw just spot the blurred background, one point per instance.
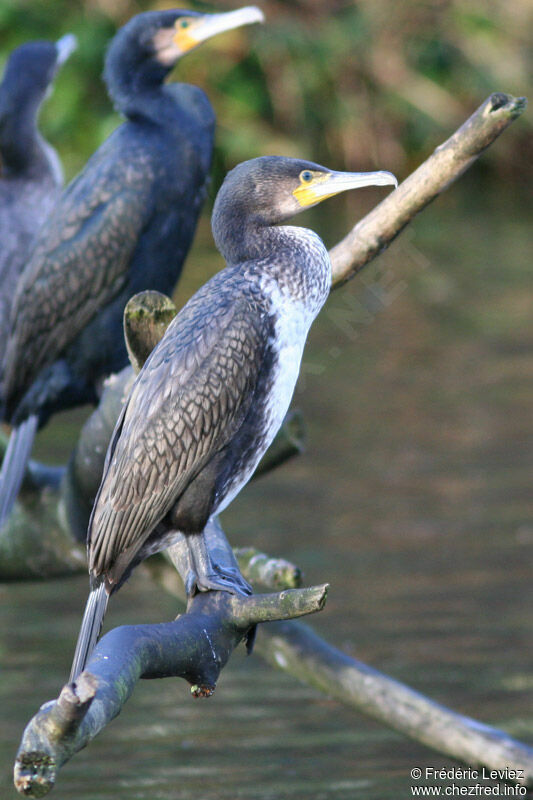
{"type": "Point", "coordinates": [414, 496]}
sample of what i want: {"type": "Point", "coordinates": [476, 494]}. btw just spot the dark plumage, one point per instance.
{"type": "Point", "coordinates": [30, 172]}
{"type": "Point", "coordinates": [213, 393]}
{"type": "Point", "coordinates": [123, 225]}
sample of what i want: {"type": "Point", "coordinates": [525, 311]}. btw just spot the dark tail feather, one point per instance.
{"type": "Point", "coordinates": [14, 464]}
{"type": "Point", "coordinates": [91, 626]}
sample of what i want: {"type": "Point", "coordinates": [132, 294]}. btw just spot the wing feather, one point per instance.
{"type": "Point", "coordinates": [187, 403]}
{"type": "Point", "coordinates": [79, 262]}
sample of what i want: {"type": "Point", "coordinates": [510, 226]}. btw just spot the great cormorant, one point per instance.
{"type": "Point", "coordinates": [214, 391]}
{"type": "Point", "coordinates": [123, 225]}
{"type": "Point", "coordinates": [31, 177]}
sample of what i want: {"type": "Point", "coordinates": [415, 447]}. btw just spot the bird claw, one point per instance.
{"type": "Point", "coordinates": [218, 579]}
{"type": "Point", "coordinates": [212, 565]}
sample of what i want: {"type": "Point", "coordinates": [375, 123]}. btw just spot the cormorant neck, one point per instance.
{"type": "Point", "coordinates": [22, 148]}
{"type": "Point", "coordinates": [242, 236]}
{"type": "Point", "coordinates": [136, 90]}
{"type": "Point", "coordinates": [294, 258]}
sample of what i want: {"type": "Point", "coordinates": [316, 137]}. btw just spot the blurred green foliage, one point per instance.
{"type": "Point", "coordinates": [355, 85]}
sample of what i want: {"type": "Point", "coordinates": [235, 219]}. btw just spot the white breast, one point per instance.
{"type": "Point", "coordinates": [293, 311]}
{"type": "Point", "coordinates": [293, 318]}
{"type": "Point", "coordinates": [292, 324]}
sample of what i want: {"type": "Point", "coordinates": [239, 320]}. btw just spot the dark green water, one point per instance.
{"type": "Point", "coordinates": [414, 501]}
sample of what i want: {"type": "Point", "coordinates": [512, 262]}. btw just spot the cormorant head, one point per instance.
{"type": "Point", "coordinates": [29, 72]}
{"type": "Point", "coordinates": [149, 45]}
{"type": "Point", "coordinates": [268, 190]}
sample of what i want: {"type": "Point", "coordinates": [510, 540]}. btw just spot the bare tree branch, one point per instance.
{"type": "Point", "coordinates": [33, 542]}
{"type": "Point", "coordinates": [448, 162]}
{"type": "Point", "coordinates": [196, 646]}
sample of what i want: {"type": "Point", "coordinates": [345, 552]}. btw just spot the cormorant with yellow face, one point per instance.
{"type": "Point", "coordinates": [214, 391]}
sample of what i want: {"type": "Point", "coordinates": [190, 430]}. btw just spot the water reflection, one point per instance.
{"type": "Point", "coordinates": [414, 500]}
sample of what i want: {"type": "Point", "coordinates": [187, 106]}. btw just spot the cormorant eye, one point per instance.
{"type": "Point", "coordinates": [306, 176]}
{"type": "Point", "coordinates": [184, 23]}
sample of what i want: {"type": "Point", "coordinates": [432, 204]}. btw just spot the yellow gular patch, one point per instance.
{"type": "Point", "coordinates": [306, 193]}
{"type": "Point", "coordinates": [184, 33]}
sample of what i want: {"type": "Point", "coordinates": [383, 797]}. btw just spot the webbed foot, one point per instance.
{"type": "Point", "coordinates": [216, 579]}
{"type": "Point", "coordinates": [213, 565]}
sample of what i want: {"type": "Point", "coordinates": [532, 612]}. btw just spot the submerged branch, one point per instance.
{"type": "Point", "coordinates": [296, 649]}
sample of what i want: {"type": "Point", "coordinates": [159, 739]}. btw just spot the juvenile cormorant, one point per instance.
{"type": "Point", "coordinates": [214, 391]}
{"type": "Point", "coordinates": [123, 225]}
{"type": "Point", "coordinates": [31, 177]}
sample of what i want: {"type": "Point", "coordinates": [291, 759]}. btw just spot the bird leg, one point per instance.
{"type": "Point", "coordinates": [212, 565]}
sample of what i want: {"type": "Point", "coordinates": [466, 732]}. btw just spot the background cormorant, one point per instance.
{"type": "Point", "coordinates": [123, 225]}
{"type": "Point", "coordinates": [214, 392]}
{"type": "Point", "coordinates": [31, 177]}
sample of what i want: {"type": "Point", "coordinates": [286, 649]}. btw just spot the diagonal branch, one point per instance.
{"type": "Point", "coordinates": [447, 163]}
{"type": "Point", "coordinates": [296, 649]}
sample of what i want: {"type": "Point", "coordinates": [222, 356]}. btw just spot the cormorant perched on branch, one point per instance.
{"type": "Point", "coordinates": [31, 177]}
{"type": "Point", "coordinates": [214, 391]}
{"type": "Point", "coordinates": [123, 225]}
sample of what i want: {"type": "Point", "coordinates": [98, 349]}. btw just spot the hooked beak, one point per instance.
{"type": "Point", "coordinates": [329, 184]}
{"type": "Point", "coordinates": [65, 46]}
{"type": "Point", "coordinates": [205, 27]}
